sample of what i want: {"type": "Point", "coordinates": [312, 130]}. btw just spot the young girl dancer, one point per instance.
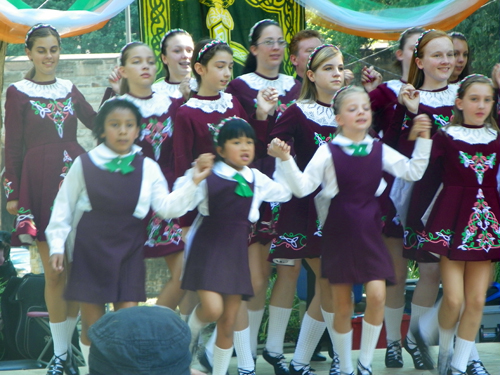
{"type": "Point", "coordinates": [310, 122]}
{"type": "Point", "coordinates": [384, 99]}
{"type": "Point", "coordinates": [217, 264]}
{"type": "Point", "coordinates": [138, 71]}
{"type": "Point", "coordinates": [106, 195]}
{"type": "Point", "coordinates": [41, 113]}
{"type": "Point", "coordinates": [462, 57]}
{"type": "Point", "coordinates": [461, 224]}
{"type": "Point", "coordinates": [347, 202]}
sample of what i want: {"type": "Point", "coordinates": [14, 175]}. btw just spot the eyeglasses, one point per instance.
{"type": "Point", "coordinates": [271, 42]}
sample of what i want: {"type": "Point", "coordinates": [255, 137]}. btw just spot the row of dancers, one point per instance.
{"type": "Point", "coordinates": [161, 128]}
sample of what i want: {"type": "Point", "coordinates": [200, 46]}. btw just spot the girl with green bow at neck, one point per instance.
{"type": "Point", "coordinates": [217, 266]}
{"type": "Point", "coordinates": [97, 216]}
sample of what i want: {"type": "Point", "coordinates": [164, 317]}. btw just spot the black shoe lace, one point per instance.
{"type": "Point", "coordinates": [394, 352]}
{"type": "Point", "coordinates": [477, 368]}
{"type": "Point", "coordinates": [57, 366]}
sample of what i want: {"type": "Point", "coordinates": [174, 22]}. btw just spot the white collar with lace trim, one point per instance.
{"type": "Point", "coordinates": [102, 154]}
{"type": "Point", "coordinates": [57, 90]}
{"type": "Point", "coordinates": [283, 84]}
{"type": "Point", "coordinates": [208, 106]}
{"type": "Point", "coordinates": [172, 89]}
{"type": "Point", "coordinates": [394, 85]}
{"type": "Point", "coordinates": [324, 116]}
{"type": "Point", "coordinates": [472, 136]}
{"type": "Point", "coordinates": [436, 99]}
{"type": "Point", "coordinates": [156, 105]}
{"type": "Point", "coordinates": [227, 172]}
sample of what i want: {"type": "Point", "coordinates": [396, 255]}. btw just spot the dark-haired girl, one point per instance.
{"type": "Point", "coordinates": [106, 195]}
{"type": "Point", "coordinates": [217, 262]}
{"type": "Point", "coordinates": [41, 113]}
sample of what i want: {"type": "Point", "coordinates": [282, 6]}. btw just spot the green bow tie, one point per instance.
{"type": "Point", "coordinates": [242, 189]}
{"type": "Point", "coordinates": [359, 150]}
{"type": "Point", "coordinates": [121, 164]}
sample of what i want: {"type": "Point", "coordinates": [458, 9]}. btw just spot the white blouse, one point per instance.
{"type": "Point", "coordinates": [72, 199]}
{"type": "Point", "coordinates": [321, 170]}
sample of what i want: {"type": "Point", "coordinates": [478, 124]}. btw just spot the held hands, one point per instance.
{"type": "Point", "coordinates": [409, 97]}
{"type": "Point", "coordinates": [267, 100]}
{"type": "Point", "coordinates": [203, 167]}
{"type": "Point", "coordinates": [57, 262]}
{"type": "Point", "coordinates": [185, 88]}
{"type": "Point", "coordinates": [348, 76]}
{"type": "Point", "coordinates": [12, 207]}
{"type": "Point", "coordinates": [370, 78]}
{"type": "Point", "coordinates": [279, 149]}
{"type": "Point", "coordinates": [421, 127]}
{"type": "Point", "coordinates": [114, 79]}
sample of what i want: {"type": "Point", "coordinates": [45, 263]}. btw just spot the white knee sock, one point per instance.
{"type": "Point", "coordinates": [343, 347]}
{"type": "Point", "coordinates": [369, 338]}
{"type": "Point", "coordinates": [85, 352]}
{"type": "Point", "coordinates": [461, 354]}
{"type": "Point", "coordinates": [222, 357]}
{"type": "Point", "coordinates": [195, 325]}
{"type": "Point", "coordinates": [184, 317]}
{"type": "Point", "coordinates": [328, 317]}
{"type": "Point", "coordinates": [278, 321]}
{"type": "Point", "coordinates": [446, 340]}
{"type": "Point", "coordinates": [474, 355]}
{"type": "Point", "coordinates": [254, 321]}
{"type": "Point", "coordinates": [416, 312]}
{"type": "Point", "coordinates": [311, 331]}
{"type": "Point", "coordinates": [242, 346]}
{"type": "Point", "coordinates": [429, 325]}
{"type": "Point", "coordinates": [210, 345]}
{"type": "Point", "coordinates": [392, 319]}
{"type": "Point", "coordinates": [60, 336]}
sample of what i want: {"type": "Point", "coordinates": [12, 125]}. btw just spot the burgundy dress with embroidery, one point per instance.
{"type": "Point", "coordinates": [156, 139]}
{"type": "Point", "coordinates": [353, 251]}
{"type": "Point", "coordinates": [245, 88]}
{"type": "Point", "coordinates": [41, 144]}
{"type": "Point", "coordinates": [108, 261]}
{"type": "Point", "coordinates": [463, 224]}
{"type": "Point", "coordinates": [309, 125]}
{"type": "Point", "coordinates": [218, 256]}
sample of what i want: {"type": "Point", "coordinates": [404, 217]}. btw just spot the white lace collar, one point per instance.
{"type": "Point", "coordinates": [394, 85]}
{"type": "Point", "coordinates": [57, 90]}
{"type": "Point", "coordinates": [223, 170]}
{"type": "Point", "coordinates": [156, 105]}
{"type": "Point", "coordinates": [208, 106]}
{"type": "Point", "coordinates": [436, 99]}
{"type": "Point", "coordinates": [172, 89]}
{"type": "Point", "coordinates": [318, 113]}
{"type": "Point", "coordinates": [283, 83]}
{"type": "Point", "coordinates": [472, 136]}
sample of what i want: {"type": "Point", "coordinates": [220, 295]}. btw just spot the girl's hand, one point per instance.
{"type": "Point", "coordinates": [421, 127]}
{"type": "Point", "coordinates": [185, 88]}
{"type": "Point", "coordinates": [12, 207]}
{"type": "Point", "coordinates": [409, 97]}
{"type": "Point", "coordinates": [114, 79]}
{"type": "Point", "coordinates": [348, 76]}
{"type": "Point", "coordinates": [279, 149]}
{"type": "Point", "coordinates": [57, 262]}
{"type": "Point", "coordinates": [267, 100]}
{"type": "Point", "coordinates": [203, 167]}
{"type": "Point", "coordinates": [370, 78]}
{"type": "Point", "coordinates": [495, 76]}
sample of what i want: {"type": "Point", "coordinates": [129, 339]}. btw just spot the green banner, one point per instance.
{"type": "Point", "coordinates": [228, 20]}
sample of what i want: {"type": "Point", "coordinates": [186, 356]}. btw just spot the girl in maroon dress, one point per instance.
{"type": "Point", "coordinates": [462, 226]}
{"type": "Point", "coordinates": [352, 247]}
{"type": "Point", "coordinates": [41, 113]}
{"type": "Point", "coordinates": [106, 196]}
{"type": "Point", "coordinates": [217, 245]}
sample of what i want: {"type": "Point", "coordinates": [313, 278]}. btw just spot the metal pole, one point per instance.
{"type": "Point", "coordinates": [128, 26]}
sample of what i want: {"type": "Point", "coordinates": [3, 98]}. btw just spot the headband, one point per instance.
{"type": "Point", "coordinates": [215, 129]}
{"type": "Point", "coordinates": [40, 26]}
{"type": "Point", "coordinates": [415, 51]}
{"type": "Point", "coordinates": [170, 32]}
{"type": "Point", "coordinates": [315, 51]}
{"type": "Point", "coordinates": [128, 45]}
{"type": "Point", "coordinates": [454, 34]}
{"type": "Point", "coordinates": [252, 30]}
{"type": "Point", "coordinates": [339, 91]}
{"type": "Point", "coordinates": [467, 78]}
{"type": "Point", "coordinates": [208, 46]}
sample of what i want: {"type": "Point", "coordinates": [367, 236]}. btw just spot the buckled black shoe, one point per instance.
{"type": "Point", "coordinates": [71, 366]}
{"type": "Point", "coordinates": [278, 362]}
{"type": "Point", "coordinates": [476, 367]}
{"type": "Point", "coordinates": [421, 360]}
{"type": "Point", "coordinates": [393, 355]}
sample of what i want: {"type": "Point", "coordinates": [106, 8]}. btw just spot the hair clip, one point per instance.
{"type": "Point", "coordinates": [467, 78]}
{"type": "Point", "coordinates": [415, 51]}
{"type": "Point", "coordinates": [215, 129]}
{"type": "Point", "coordinates": [250, 35]}
{"type": "Point", "coordinates": [39, 26]}
{"type": "Point", "coordinates": [315, 51]}
{"type": "Point", "coordinates": [209, 45]}
{"type": "Point", "coordinates": [338, 93]}
{"type": "Point", "coordinates": [170, 32]}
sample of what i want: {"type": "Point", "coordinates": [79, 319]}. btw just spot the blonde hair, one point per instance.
{"type": "Point", "coordinates": [340, 96]}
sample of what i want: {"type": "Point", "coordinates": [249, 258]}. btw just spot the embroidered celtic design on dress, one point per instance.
{"type": "Point", "coordinates": [270, 226]}
{"type": "Point", "coordinates": [440, 120]}
{"type": "Point", "coordinates": [155, 132]}
{"type": "Point", "coordinates": [25, 218]}
{"type": "Point", "coordinates": [478, 163]}
{"type": "Point", "coordinates": [171, 235]}
{"type": "Point", "coordinates": [58, 112]}
{"type": "Point", "coordinates": [281, 108]}
{"type": "Point", "coordinates": [321, 139]}
{"type": "Point", "coordinates": [483, 230]}
{"type": "Point", "coordinates": [7, 187]}
{"type": "Point", "coordinates": [294, 241]}
{"type": "Point", "coordinates": [319, 229]}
